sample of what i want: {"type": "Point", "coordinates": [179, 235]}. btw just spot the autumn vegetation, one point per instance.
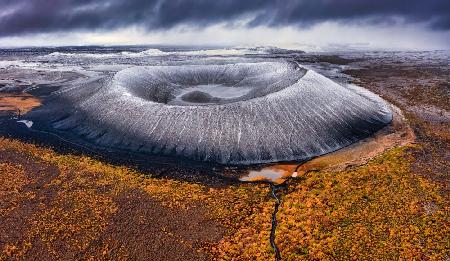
{"type": "Point", "coordinates": [380, 211]}
{"type": "Point", "coordinates": [377, 211]}
{"type": "Point", "coordinates": [83, 204]}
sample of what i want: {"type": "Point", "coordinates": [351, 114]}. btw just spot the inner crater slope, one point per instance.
{"type": "Point", "coordinates": [242, 113]}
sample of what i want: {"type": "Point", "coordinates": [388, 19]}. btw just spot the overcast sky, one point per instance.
{"type": "Point", "coordinates": [305, 24]}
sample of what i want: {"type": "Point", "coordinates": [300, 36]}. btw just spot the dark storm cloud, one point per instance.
{"type": "Point", "coordinates": [36, 16]}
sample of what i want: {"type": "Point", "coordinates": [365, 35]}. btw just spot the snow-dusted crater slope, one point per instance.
{"type": "Point", "coordinates": [243, 113]}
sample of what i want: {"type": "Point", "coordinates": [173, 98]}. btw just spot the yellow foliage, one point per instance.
{"type": "Point", "coordinates": [377, 211]}
{"type": "Point", "coordinates": [80, 213]}
{"type": "Point", "coordinates": [373, 212]}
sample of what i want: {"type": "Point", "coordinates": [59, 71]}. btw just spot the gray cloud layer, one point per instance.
{"type": "Point", "coordinates": [18, 17]}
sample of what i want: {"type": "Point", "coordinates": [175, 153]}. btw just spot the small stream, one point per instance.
{"type": "Point", "coordinates": [276, 176]}
{"type": "Point", "coordinates": [274, 189]}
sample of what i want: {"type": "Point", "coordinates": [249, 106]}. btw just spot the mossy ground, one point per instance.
{"type": "Point", "coordinates": [379, 211]}
{"type": "Point", "coordinates": [82, 205]}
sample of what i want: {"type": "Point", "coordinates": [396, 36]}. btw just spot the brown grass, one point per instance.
{"type": "Point", "coordinates": [71, 202]}
{"type": "Point", "coordinates": [15, 102]}
{"type": "Point", "coordinates": [378, 211]}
